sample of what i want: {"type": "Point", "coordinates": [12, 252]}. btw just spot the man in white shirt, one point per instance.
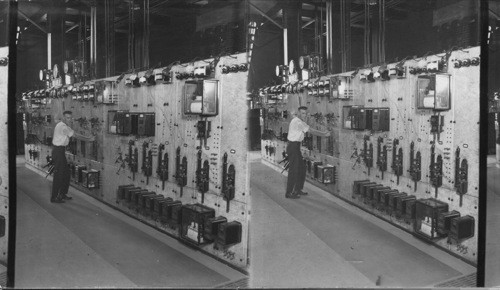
{"type": "Point", "coordinates": [297, 171]}
{"type": "Point", "coordinates": [62, 133]}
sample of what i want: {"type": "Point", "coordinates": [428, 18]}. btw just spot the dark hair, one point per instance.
{"type": "Point", "coordinates": [303, 108]}
{"type": "Point", "coordinates": [67, 113]}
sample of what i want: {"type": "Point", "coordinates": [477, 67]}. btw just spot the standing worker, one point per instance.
{"type": "Point", "coordinates": [297, 170]}
{"type": "Point", "coordinates": [62, 133]}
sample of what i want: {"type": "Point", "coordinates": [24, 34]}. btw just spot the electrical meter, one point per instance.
{"type": "Point", "coordinates": [55, 71]}
{"type": "Point", "coordinates": [433, 92]}
{"type": "Point", "coordinates": [201, 97]}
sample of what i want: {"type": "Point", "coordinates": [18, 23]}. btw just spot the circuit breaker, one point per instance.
{"type": "Point", "coordinates": [229, 234]}
{"type": "Point", "coordinates": [212, 227]}
{"type": "Point", "coordinates": [194, 218]}
{"type": "Point", "coordinates": [444, 221]}
{"type": "Point", "coordinates": [426, 219]}
{"type": "Point", "coordinates": [461, 228]}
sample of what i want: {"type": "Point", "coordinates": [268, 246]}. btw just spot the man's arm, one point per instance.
{"type": "Point", "coordinates": [80, 136]}
{"type": "Point", "coordinates": [317, 132]}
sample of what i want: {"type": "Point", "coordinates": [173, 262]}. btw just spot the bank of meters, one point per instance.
{"type": "Point", "coordinates": [433, 92]}
{"type": "Point", "coordinates": [131, 123]}
{"type": "Point", "coordinates": [361, 118]}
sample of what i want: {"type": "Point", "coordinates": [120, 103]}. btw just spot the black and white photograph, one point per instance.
{"type": "Point", "coordinates": [249, 144]}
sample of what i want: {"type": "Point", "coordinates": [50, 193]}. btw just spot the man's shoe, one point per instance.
{"type": "Point", "coordinates": [292, 196]}
{"type": "Point", "coordinates": [57, 200]}
{"type": "Point", "coordinates": [67, 197]}
{"type": "Point", "coordinates": [302, 193]}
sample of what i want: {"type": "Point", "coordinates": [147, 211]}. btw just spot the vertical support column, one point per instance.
{"type": "Point", "coordinates": [104, 39]}
{"type": "Point", "coordinates": [292, 30]}
{"type": "Point", "coordinates": [93, 41]}
{"type": "Point", "coordinates": [131, 36]}
{"type": "Point", "coordinates": [110, 55]}
{"type": "Point", "coordinates": [145, 35]}
{"type": "Point", "coordinates": [329, 38]}
{"type": "Point", "coordinates": [345, 40]}
{"type": "Point", "coordinates": [55, 36]}
{"type": "Point", "coordinates": [374, 36]}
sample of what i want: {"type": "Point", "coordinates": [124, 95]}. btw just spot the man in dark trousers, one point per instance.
{"type": "Point", "coordinates": [60, 139]}
{"type": "Point", "coordinates": [297, 170]}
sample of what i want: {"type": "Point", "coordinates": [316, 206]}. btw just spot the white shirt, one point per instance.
{"type": "Point", "coordinates": [297, 129]}
{"type": "Point", "coordinates": [61, 134]}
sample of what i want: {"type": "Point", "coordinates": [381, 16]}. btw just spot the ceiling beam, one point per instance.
{"type": "Point", "coordinates": [31, 21]}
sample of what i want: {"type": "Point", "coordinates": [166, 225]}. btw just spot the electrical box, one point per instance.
{"type": "Point", "coordinates": [375, 197]}
{"type": "Point", "coordinates": [426, 218]}
{"type": "Point", "coordinates": [229, 234]}
{"type": "Point", "coordinates": [363, 186]}
{"type": "Point", "coordinates": [194, 219]}
{"type": "Point", "coordinates": [146, 124]}
{"type": "Point", "coordinates": [326, 174]}
{"type": "Point", "coordinates": [370, 191]}
{"type": "Point", "coordinates": [360, 118]}
{"type": "Point", "coordinates": [357, 184]}
{"type": "Point", "coordinates": [380, 119]}
{"type": "Point", "coordinates": [145, 202]}
{"type": "Point", "coordinates": [461, 228]}
{"type": "Point", "coordinates": [212, 227]}
{"type": "Point", "coordinates": [384, 198]}
{"type": "Point", "coordinates": [90, 178]}
{"type": "Point", "coordinates": [158, 207]}
{"type": "Point", "coordinates": [391, 205]}
{"type": "Point", "coordinates": [315, 165]}
{"type": "Point", "coordinates": [167, 210]}
{"type": "Point", "coordinates": [2, 226]}
{"type": "Point", "coordinates": [410, 210]}
{"type": "Point", "coordinates": [201, 97]}
{"type": "Point", "coordinates": [433, 92]}
{"type": "Point", "coordinates": [119, 122]}
{"type": "Point", "coordinates": [79, 172]}
{"type": "Point", "coordinates": [176, 215]}
{"type": "Point", "coordinates": [444, 221]}
{"type": "Point", "coordinates": [150, 204]}
{"type": "Point", "coordinates": [401, 204]}
{"type": "Point", "coordinates": [132, 196]}
{"type": "Point", "coordinates": [120, 193]}
{"type": "Point", "coordinates": [131, 125]}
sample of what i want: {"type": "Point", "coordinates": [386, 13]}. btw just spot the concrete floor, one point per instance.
{"type": "Point", "coordinates": [321, 241]}
{"type": "Point", "coordinates": [316, 241]}
{"type": "Point", "coordinates": [492, 263]}
{"type": "Point", "coordinates": [84, 243]}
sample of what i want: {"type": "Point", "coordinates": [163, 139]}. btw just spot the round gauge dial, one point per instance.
{"type": "Point", "coordinates": [291, 67]}
{"type": "Point", "coordinates": [68, 67]}
{"type": "Point", "coordinates": [55, 71]}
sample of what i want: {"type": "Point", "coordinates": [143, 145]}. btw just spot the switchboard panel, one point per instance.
{"type": "Point", "coordinates": [152, 128]}
{"type": "Point", "coordinates": [397, 125]}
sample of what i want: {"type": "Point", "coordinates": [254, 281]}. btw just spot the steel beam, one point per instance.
{"type": "Point", "coordinates": [31, 21]}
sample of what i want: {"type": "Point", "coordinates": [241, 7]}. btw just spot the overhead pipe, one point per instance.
{"type": "Point", "coordinates": [93, 41]}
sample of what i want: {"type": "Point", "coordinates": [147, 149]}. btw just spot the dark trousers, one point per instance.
{"type": "Point", "coordinates": [60, 184]}
{"type": "Point", "coordinates": [297, 169]}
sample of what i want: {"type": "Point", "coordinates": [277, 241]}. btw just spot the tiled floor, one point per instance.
{"type": "Point", "coordinates": [83, 243]}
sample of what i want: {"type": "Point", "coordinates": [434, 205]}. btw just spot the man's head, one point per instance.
{"type": "Point", "coordinates": [67, 117]}
{"type": "Point", "coordinates": [302, 113]}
